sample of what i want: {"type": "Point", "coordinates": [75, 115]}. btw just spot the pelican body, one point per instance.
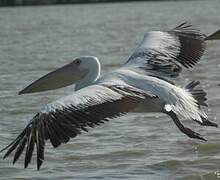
{"type": "Point", "coordinates": [144, 82]}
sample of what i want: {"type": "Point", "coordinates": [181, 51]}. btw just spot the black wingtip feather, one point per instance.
{"type": "Point", "coordinates": [19, 149]}
{"type": "Point", "coordinates": [11, 148]}
{"type": "Point", "coordinates": [40, 143]}
{"type": "Point", "coordinates": [198, 93]}
{"type": "Point", "coordinates": [200, 96]}
{"type": "Point", "coordinates": [26, 138]}
{"type": "Point", "coordinates": [30, 148]}
{"type": "Point", "coordinates": [206, 122]}
{"type": "Point", "coordinates": [192, 43]}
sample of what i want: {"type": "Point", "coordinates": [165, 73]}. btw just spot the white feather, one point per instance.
{"type": "Point", "coordinates": [186, 106]}
{"type": "Point", "coordinates": [179, 99]}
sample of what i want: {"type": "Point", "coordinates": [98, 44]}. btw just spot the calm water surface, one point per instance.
{"type": "Point", "coordinates": [35, 40]}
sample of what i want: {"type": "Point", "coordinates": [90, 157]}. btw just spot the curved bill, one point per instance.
{"type": "Point", "coordinates": [214, 36]}
{"type": "Point", "coordinates": [59, 78]}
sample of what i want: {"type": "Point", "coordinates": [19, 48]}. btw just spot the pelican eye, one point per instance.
{"type": "Point", "coordinates": [78, 61]}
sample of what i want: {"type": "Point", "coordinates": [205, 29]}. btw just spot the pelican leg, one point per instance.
{"type": "Point", "coordinates": [190, 133]}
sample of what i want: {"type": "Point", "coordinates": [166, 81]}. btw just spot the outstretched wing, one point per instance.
{"type": "Point", "coordinates": [162, 53]}
{"type": "Point", "coordinates": [67, 117]}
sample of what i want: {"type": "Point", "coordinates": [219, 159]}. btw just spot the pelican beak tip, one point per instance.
{"type": "Point", "coordinates": [21, 92]}
{"type": "Point", "coordinates": [24, 91]}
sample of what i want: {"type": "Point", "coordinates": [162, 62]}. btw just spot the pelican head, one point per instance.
{"type": "Point", "coordinates": [81, 72]}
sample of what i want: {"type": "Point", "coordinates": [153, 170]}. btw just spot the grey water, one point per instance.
{"type": "Point", "coordinates": [36, 40]}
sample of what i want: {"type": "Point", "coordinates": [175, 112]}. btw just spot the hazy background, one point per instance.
{"type": "Point", "coordinates": [36, 40]}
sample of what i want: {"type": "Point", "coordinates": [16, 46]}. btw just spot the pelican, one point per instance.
{"type": "Point", "coordinates": [145, 81]}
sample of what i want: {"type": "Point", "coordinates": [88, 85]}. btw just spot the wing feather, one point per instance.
{"type": "Point", "coordinates": [163, 53]}
{"type": "Point", "coordinates": [89, 107]}
{"type": "Point", "coordinates": [19, 149]}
